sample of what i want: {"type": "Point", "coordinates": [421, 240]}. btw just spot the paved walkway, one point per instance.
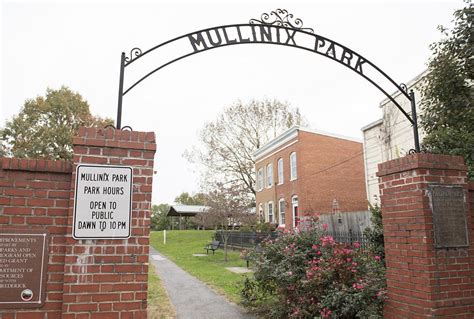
{"type": "Point", "coordinates": [191, 298]}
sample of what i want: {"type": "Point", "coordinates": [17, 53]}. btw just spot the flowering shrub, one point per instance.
{"type": "Point", "coordinates": [307, 275]}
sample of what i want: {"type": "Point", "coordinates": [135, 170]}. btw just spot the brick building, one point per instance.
{"type": "Point", "coordinates": [301, 173]}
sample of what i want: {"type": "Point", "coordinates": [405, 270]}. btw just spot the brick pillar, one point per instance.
{"type": "Point", "coordinates": [424, 281]}
{"type": "Point", "coordinates": [107, 278]}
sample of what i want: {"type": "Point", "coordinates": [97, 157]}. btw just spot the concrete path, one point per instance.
{"type": "Point", "coordinates": [191, 298]}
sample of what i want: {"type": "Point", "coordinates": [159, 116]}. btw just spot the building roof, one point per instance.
{"type": "Point", "coordinates": [409, 84]}
{"type": "Point", "coordinates": [292, 133]}
{"type": "Point", "coordinates": [371, 125]}
{"type": "Point", "coordinates": [186, 210]}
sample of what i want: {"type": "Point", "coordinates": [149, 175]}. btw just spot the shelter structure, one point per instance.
{"type": "Point", "coordinates": [180, 214]}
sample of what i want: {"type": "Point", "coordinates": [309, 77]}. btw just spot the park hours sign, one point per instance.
{"type": "Point", "coordinates": [103, 202]}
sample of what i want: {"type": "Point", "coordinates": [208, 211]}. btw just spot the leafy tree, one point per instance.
{"type": "Point", "coordinates": [448, 110]}
{"type": "Point", "coordinates": [227, 208]}
{"type": "Point", "coordinates": [186, 199]}
{"type": "Point", "coordinates": [229, 141]}
{"type": "Point", "coordinates": [159, 218]}
{"type": "Point", "coordinates": [45, 126]}
{"type": "Point", "coordinates": [3, 150]}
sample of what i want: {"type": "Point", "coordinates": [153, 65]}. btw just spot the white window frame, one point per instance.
{"type": "Point", "coordinates": [281, 177]}
{"type": "Point", "coordinates": [260, 179]}
{"type": "Point", "coordinates": [270, 208]}
{"type": "Point", "coordinates": [269, 180]}
{"type": "Point", "coordinates": [293, 167]}
{"type": "Point", "coordinates": [261, 212]}
{"type": "Point", "coordinates": [294, 204]}
{"type": "Point", "coordinates": [281, 204]}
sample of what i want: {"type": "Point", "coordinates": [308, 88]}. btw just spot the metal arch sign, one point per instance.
{"type": "Point", "coordinates": [277, 28]}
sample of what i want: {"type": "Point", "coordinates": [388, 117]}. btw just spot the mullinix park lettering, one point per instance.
{"type": "Point", "coordinates": [221, 36]}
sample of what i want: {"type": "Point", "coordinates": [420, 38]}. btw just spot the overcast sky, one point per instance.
{"type": "Point", "coordinates": [78, 44]}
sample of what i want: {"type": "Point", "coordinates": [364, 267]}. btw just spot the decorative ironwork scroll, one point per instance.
{"type": "Point", "coordinates": [281, 17]}
{"type": "Point", "coordinates": [134, 54]}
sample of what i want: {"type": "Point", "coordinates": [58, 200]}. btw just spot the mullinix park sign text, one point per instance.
{"type": "Point", "coordinates": [229, 35]}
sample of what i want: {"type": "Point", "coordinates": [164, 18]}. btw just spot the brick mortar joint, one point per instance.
{"type": "Point", "coordinates": [406, 167]}
{"type": "Point", "coordinates": [145, 146]}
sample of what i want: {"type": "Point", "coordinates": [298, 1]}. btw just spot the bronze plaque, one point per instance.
{"type": "Point", "coordinates": [449, 216]}
{"type": "Point", "coordinates": [23, 261]}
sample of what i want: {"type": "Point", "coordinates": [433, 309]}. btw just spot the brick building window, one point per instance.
{"type": "Point", "coordinates": [280, 171]}
{"type": "Point", "coordinates": [269, 175]}
{"type": "Point", "coordinates": [270, 212]}
{"type": "Point", "coordinates": [293, 173]}
{"type": "Point", "coordinates": [261, 213]}
{"type": "Point", "coordinates": [294, 208]}
{"type": "Point", "coordinates": [260, 179]}
{"type": "Point", "coordinates": [281, 208]}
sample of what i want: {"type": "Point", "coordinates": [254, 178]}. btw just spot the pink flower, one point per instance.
{"type": "Point", "coordinates": [290, 273]}
{"type": "Point", "coordinates": [356, 245]}
{"type": "Point", "coordinates": [381, 293]}
{"type": "Point", "coordinates": [357, 286]}
{"type": "Point", "coordinates": [327, 240]}
{"type": "Point", "coordinates": [378, 258]}
{"type": "Point", "coordinates": [326, 313]}
{"type": "Point", "coordinates": [314, 247]}
{"type": "Point", "coordinates": [295, 312]}
{"type": "Point", "coordinates": [325, 227]}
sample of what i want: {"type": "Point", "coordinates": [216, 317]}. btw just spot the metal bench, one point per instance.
{"type": "Point", "coordinates": [246, 257]}
{"type": "Point", "coordinates": [214, 245]}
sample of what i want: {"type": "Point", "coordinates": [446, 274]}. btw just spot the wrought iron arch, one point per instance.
{"type": "Point", "coordinates": [278, 28]}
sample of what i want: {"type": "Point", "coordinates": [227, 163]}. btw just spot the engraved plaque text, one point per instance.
{"type": "Point", "coordinates": [449, 216]}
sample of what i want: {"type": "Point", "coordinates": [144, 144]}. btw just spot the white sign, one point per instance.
{"type": "Point", "coordinates": [103, 202]}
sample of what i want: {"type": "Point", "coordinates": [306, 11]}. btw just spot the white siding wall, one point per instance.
{"type": "Point", "coordinates": [390, 139]}
{"type": "Point", "coordinates": [373, 154]}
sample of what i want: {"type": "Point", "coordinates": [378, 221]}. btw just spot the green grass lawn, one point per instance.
{"type": "Point", "coordinates": [180, 247]}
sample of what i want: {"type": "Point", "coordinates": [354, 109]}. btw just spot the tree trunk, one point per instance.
{"type": "Point", "coordinates": [226, 240]}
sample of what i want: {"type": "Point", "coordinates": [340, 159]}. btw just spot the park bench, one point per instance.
{"type": "Point", "coordinates": [246, 256]}
{"type": "Point", "coordinates": [214, 245]}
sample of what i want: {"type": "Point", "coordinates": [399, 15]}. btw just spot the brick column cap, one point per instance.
{"type": "Point", "coordinates": [110, 137]}
{"type": "Point", "coordinates": [36, 165]}
{"type": "Point", "coordinates": [422, 161]}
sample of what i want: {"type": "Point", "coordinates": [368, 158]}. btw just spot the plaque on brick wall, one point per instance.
{"type": "Point", "coordinates": [449, 216]}
{"type": "Point", "coordinates": [23, 261]}
{"type": "Point", "coordinates": [102, 202]}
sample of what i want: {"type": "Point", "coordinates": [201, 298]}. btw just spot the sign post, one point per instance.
{"type": "Point", "coordinates": [102, 202]}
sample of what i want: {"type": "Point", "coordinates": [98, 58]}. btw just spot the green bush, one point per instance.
{"type": "Point", "coordinates": [374, 233]}
{"type": "Point", "coordinates": [306, 275]}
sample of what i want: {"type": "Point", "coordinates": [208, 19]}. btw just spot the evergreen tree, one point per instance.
{"type": "Point", "coordinates": [448, 110]}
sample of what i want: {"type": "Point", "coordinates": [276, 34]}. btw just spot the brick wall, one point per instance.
{"type": "Point", "coordinates": [424, 281]}
{"type": "Point", "coordinates": [327, 167]}
{"type": "Point", "coordinates": [331, 168]}
{"type": "Point", "coordinates": [35, 194]}
{"type": "Point", "coordinates": [284, 191]}
{"type": "Point", "coordinates": [85, 278]}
